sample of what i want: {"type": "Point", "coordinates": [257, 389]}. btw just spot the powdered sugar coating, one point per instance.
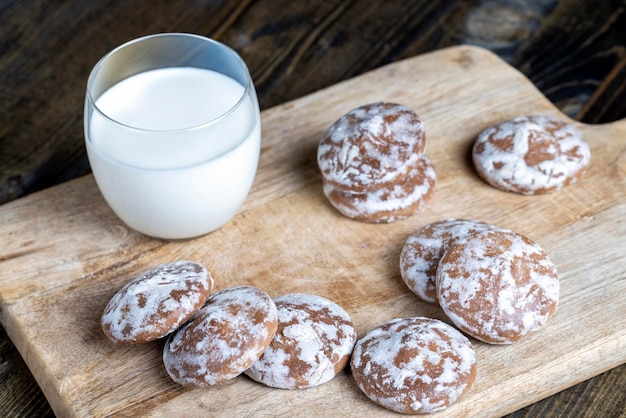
{"type": "Point", "coordinates": [369, 146]}
{"type": "Point", "coordinates": [497, 286]}
{"type": "Point", "coordinates": [224, 338]}
{"type": "Point", "coordinates": [414, 365]}
{"type": "Point", "coordinates": [422, 251]}
{"type": "Point", "coordinates": [531, 154]}
{"type": "Point", "coordinates": [313, 343]}
{"type": "Point", "coordinates": [157, 302]}
{"type": "Point", "coordinates": [395, 202]}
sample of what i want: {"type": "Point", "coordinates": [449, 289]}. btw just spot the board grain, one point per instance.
{"type": "Point", "coordinates": [64, 254]}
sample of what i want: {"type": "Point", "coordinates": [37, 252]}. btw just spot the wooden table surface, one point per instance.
{"type": "Point", "coordinates": [573, 50]}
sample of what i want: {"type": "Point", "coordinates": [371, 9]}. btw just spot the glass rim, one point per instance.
{"type": "Point", "coordinates": [215, 120]}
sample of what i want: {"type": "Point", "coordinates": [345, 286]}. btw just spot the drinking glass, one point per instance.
{"type": "Point", "coordinates": [173, 135]}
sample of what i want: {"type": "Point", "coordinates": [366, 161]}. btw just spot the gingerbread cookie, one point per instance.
{"type": "Point", "coordinates": [370, 146]}
{"type": "Point", "coordinates": [531, 155]}
{"type": "Point", "coordinates": [497, 286]}
{"type": "Point", "coordinates": [223, 339]}
{"type": "Point", "coordinates": [313, 343]}
{"type": "Point", "coordinates": [414, 365]}
{"type": "Point", "coordinates": [157, 302]}
{"type": "Point", "coordinates": [422, 251]}
{"type": "Point", "coordinates": [394, 202]}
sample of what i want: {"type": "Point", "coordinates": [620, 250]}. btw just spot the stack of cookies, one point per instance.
{"type": "Point", "coordinates": [494, 284]}
{"type": "Point", "coordinates": [373, 164]}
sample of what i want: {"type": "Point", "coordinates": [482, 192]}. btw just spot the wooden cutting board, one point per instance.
{"type": "Point", "coordinates": [64, 254]}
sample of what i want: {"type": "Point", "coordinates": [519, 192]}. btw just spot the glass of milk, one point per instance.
{"type": "Point", "coordinates": [173, 133]}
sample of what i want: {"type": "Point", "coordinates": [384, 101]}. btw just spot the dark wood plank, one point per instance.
{"type": "Point", "coordinates": [573, 50]}
{"type": "Point", "coordinates": [578, 59]}
{"type": "Point", "coordinates": [19, 394]}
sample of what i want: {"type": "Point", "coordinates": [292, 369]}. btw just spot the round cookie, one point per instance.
{"type": "Point", "coordinates": [394, 202]}
{"type": "Point", "coordinates": [531, 155]}
{"type": "Point", "coordinates": [422, 251]}
{"type": "Point", "coordinates": [414, 365]}
{"type": "Point", "coordinates": [223, 339]}
{"type": "Point", "coordinates": [497, 286]}
{"type": "Point", "coordinates": [157, 302]}
{"type": "Point", "coordinates": [313, 343]}
{"type": "Point", "coordinates": [370, 146]}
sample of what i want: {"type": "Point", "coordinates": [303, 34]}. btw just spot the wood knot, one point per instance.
{"type": "Point", "coordinates": [118, 231]}
{"type": "Point", "coordinates": [499, 24]}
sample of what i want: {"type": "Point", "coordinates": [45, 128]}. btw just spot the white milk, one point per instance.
{"type": "Point", "coordinates": [166, 172]}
